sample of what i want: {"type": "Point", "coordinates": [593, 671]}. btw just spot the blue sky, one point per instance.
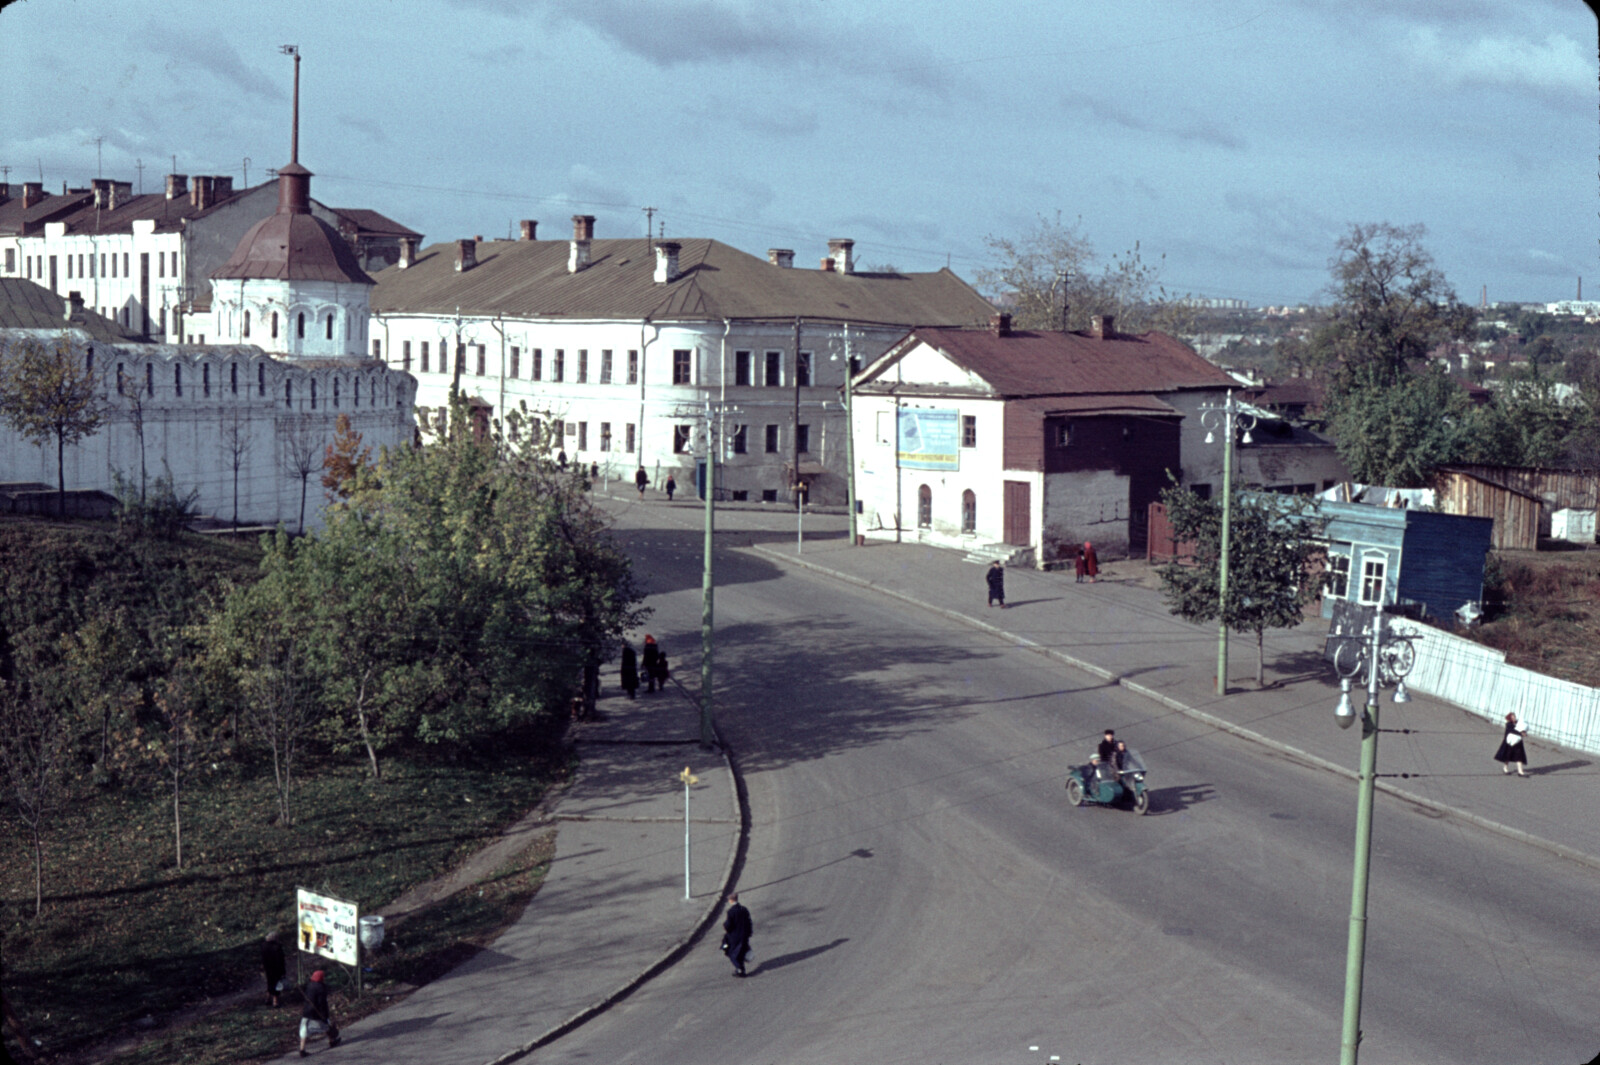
{"type": "Point", "coordinates": [1237, 141]}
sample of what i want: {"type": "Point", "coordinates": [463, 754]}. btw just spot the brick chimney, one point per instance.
{"type": "Point", "coordinates": [826, 266]}
{"type": "Point", "coordinates": [1000, 324]}
{"type": "Point", "coordinates": [783, 257]}
{"type": "Point", "coordinates": [72, 309]}
{"type": "Point", "coordinates": [466, 255]}
{"type": "Point", "coordinates": [177, 185]}
{"type": "Point", "coordinates": [667, 261]}
{"type": "Point", "coordinates": [840, 252]}
{"type": "Point", "coordinates": [408, 252]}
{"type": "Point", "coordinates": [32, 193]}
{"type": "Point", "coordinates": [201, 195]}
{"type": "Point", "coordinates": [529, 228]}
{"type": "Point", "coordinates": [102, 193]}
{"type": "Point", "coordinates": [222, 186]}
{"type": "Point", "coordinates": [1101, 326]}
{"type": "Point", "coordinates": [582, 235]}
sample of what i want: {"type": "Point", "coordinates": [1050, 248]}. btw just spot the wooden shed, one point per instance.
{"type": "Point", "coordinates": [1473, 491]}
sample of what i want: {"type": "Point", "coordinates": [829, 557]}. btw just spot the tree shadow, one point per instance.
{"type": "Point", "coordinates": [797, 956]}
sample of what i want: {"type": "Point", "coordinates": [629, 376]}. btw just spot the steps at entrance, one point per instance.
{"type": "Point", "coordinates": [1008, 554]}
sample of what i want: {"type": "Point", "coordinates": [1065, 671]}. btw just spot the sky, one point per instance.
{"type": "Point", "coordinates": [1234, 143]}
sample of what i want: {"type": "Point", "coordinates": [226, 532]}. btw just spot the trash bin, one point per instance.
{"type": "Point", "coordinates": [372, 932]}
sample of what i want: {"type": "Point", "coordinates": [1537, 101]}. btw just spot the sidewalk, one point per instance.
{"type": "Point", "coordinates": [1120, 629]}
{"type": "Point", "coordinates": [611, 912]}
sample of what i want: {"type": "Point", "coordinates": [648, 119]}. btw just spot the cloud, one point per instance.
{"type": "Point", "coordinates": [216, 57]}
{"type": "Point", "coordinates": [776, 119]}
{"type": "Point", "coordinates": [368, 126]}
{"type": "Point", "coordinates": [1280, 231]}
{"type": "Point", "coordinates": [1555, 65]}
{"type": "Point", "coordinates": [1191, 128]}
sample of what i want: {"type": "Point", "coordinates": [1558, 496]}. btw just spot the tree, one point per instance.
{"type": "Point", "coordinates": [349, 465]}
{"type": "Point", "coordinates": [1052, 267]}
{"type": "Point", "coordinates": [1397, 434]}
{"type": "Point", "coordinates": [300, 453]}
{"type": "Point", "coordinates": [33, 756]}
{"type": "Point", "coordinates": [50, 392]}
{"type": "Point", "coordinates": [1274, 562]}
{"type": "Point", "coordinates": [234, 426]}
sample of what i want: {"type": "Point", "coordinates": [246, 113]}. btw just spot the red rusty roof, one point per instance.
{"type": "Point", "coordinates": [293, 244]}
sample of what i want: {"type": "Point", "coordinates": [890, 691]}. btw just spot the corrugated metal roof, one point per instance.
{"type": "Point", "coordinates": [77, 210]}
{"type": "Point", "coordinates": [26, 305]}
{"type": "Point", "coordinates": [1024, 363]}
{"type": "Point", "coordinates": [371, 223]}
{"type": "Point", "coordinates": [529, 279]}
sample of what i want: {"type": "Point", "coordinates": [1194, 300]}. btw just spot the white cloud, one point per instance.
{"type": "Point", "coordinates": [1557, 64]}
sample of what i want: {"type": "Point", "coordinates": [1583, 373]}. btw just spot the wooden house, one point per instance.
{"type": "Point", "coordinates": [1517, 513]}
{"type": "Point", "coordinates": [1383, 556]}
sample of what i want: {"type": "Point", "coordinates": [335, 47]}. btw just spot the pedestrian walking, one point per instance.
{"type": "Point", "coordinates": [1083, 566]}
{"type": "Point", "coordinates": [641, 481]}
{"type": "Point", "coordinates": [630, 671]}
{"type": "Point", "coordinates": [997, 584]}
{"type": "Point", "coordinates": [652, 656]}
{"type": "Point", "coordinates": [1512, 750]}
{"type": "Point", "coordinates": [663, 671]}
{"type": "Point", "coordinates": [672, 486]}
{"type": "Point", "coordinates": [594, 471]}
{"type": "Point", "coordinates": [1091, 564]}
{"type": "Point", "coordinates": [737, 928]}
{"type": "Point", "coordinates": [316, 1016]}
{"type": "Point", "coordinates": [274, 966]}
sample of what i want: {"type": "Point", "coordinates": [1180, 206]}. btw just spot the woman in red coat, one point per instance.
{"type": "Point", "coordinates": [1090, 564]}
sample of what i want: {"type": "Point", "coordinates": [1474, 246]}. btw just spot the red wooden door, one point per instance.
{"type": "Point", "coordinates": [1016, 513]}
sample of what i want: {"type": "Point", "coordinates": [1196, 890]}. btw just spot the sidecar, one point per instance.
{"type": "Point", "coordinates": [1102, 784]}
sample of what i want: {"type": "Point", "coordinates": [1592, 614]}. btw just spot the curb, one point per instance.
{"type": "Point", "coordinates": [730, 875]}
{"type": "Point", "coordinates": [1561, 850]}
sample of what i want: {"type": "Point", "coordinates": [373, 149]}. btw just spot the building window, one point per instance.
{"type": "Point", "coordinates": [261, 379]}
{"type": "Point", "coordinates": [174, 264]}
{"type": "Point", "coordinates": [774, 376]}
{"type": "Point", "coordinates": [772, 439]}
{"type": "Point", "coordinates": [125, 270]}
{"type": "Point", "coordinates": [740, 495]}
{"type": "Point", "coordinates": [969, 512]}
{"type": "Point", "coordinates": [300, 328]}
{"type": "Point", "coordinates": [233, 378]}
{"type": "Point", "coordinates": [483, 360]}
{"type": "Point", "coordinates": [424, 356]}
{"type": "Point", "coordinates": [605, 366]}
{"type": "Point", "coordinates": [739, 439]}
{"type": "Point", "coordinates": [802, 369]}
{"type": "Point", "coordinates": [121, 380]}
{"type": "Point", "coordinates": [205, 379]}
{"type": "Point", "coordinates": [605, 436]}
{"type": "Point", "coordinates": [969, 430]}
{"type": "Point", "coordinates": [274, 325]}
{"type": "Point", "coordinates": [11, 260]}
{"type": "Point", "coordinates": [313, 393]}
{"type": "Point", "coordinates": [558, 365]}
{"type": "Point", "coordinates": [535, 363]}
{"type": "Point", "coordinates": [113, 263]}
{"type": "Point", "coordinates": [377, 349]}
{"type": "Point", "coordinates": [246, 332]}
{"type": "Point", "coordinates": [769, 495]}
{"type": "Point", "coordinates": [405, 355]}
{"type": "Point", "coordinates": [461, 359]}
{"type": "Point", "coordinates": [161, 264]}
{"type": "Point", "coordinates": [1063, 434]}
{"type": "Point", "coordinates": [681, 366]}
{"type": "Point", "coordinates": [328, 330]}
{"type": "Point", "coordinates": [516, 362]}
{"type": "Point", "coordinates": [356, 399]}
{"type": "Point", "coordinates": [149, 379]}
{"type": "Point", "coordinates": [741, 367]}
{"type": "Point", "coordinates": [335, 391]}
{"type": "Point", "coordinates": [583, 366]}
{"type": "Point", "coordinates": [1373, 571]}
{"type": "Point", "coordinates": [288, 394]}
{"type": "Point", "coordinates": [583, 436]}
{"type": "Point", "coordinates": [1338, 576]}
{"type": "Point", "coordinates": [633, 367]}
{"type": "Point", "coordinates": [628, 436]}
{"type": "Point", "coordinates": [558, 432]}
{"type": "Point", "coordinates": [177, 380]}
{"type": "Point", "coordinates": [680, 438]}
{"type": "Point", "coordinates": [69, 267]}
{"type": "Point", "coordinates": [802, 439]}
{"type": "Point", "coordinates": [924, 507]}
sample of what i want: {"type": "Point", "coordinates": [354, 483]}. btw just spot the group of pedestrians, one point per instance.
{"type": "Point", "coordinates": [316, 1012]}
{"type": "Point", "coordinates": [641, 481]}
{"type": "Point", "coordinates": [1088, 566]}
{"type": "Point", "coordinates": [656, 672]}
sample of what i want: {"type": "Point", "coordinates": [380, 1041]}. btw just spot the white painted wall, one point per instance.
{"type": "Point", "coordinates": [1087, 505]}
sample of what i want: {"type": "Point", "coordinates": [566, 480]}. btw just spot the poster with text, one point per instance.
{"type": "Point", "coordinates": [327, 926]}
{"type": "Point", "coordinates": [929, 439]}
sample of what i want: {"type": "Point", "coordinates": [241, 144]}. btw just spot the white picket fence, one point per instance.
{"type": "Point", "coordinates": [1478, 679]}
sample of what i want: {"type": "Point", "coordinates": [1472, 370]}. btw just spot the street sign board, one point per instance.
{"type": "Point", "coordinates": [327, 926]}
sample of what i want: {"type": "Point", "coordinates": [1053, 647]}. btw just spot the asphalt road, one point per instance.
{"type": "Point", "coordinates": [922, 891]}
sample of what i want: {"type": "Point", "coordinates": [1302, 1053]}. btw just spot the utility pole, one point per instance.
{"type": "Point", "coordinates": [708, 585]}
{"type": "Point", "coordinates": [138, 165]}
{"type": "Point", "coordinates": [247, 171]}
{"type": "Point", "coordinates": [795, 429]}
{"type": "Point", "coordinates": [649, 227]}
{"type": "Point", "coordinates": [849, 437]}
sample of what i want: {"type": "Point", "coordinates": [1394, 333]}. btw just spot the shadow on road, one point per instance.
{"type": "Point", "coordinates": [1176, 800]}
{"type": "Point", "coordinates": [859, 852]}
{"type": "Point", "coordinates": [797, 956]}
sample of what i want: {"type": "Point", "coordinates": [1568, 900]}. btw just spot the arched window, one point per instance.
{"type": "Point", "coordinates": [358, 392]}
{"type": "Point", "coordinates": [969, 511]}
{"type": "Point", "coordinates": [288, 394]}
{"type": "Point", "coordinates": [300, 326]}
{"type": "Point", "coordinates": [924, 507]}
{"type": "Point", "coordinates": [177, 380]}
{"type": "Point", "coordinates": [329, 330]}
{"type": "Point", "coordinates": [274, 325]}
{"type": "Point", "coordinates": [261, 378]}
{"type": "Point", "coordinates": [246, 323]}
{"type": "Point", "coordinates": [335, 391]}
{"type": "Point", "coordinates": [313, 393]}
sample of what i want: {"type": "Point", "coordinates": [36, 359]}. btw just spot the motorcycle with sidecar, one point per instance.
{"type": "Point", "coordinates": [1104, 784]}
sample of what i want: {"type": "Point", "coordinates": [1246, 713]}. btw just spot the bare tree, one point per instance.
{"type": "Point", "coordinates": [235, 432]}
{"type": "Point", "coordinates": [301, 452]}
{"type": "Point", "coordinates": [132, 398]}
{"type": "Point", "coordinates": [33, 756]}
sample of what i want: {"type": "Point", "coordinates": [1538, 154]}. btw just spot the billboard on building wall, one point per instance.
{"type": "Point", "coordinates": [929, 439]}
{"type": "Point", "coordinates": [327, 926]}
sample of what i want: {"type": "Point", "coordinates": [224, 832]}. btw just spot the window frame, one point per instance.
{"type": "Point", "coordinates": [1338, 579]}
{"type": "Point", "coordinates": [681, 436]}
{"type": "Point", "coordinates": [741, 368]}
{"type": "Point", "coordinates": [774, 440]}
{"type": "Point", "coordinates": [1369, 560]}
{"type": "Point", "coordinates": [772, 370]}
{"type": "Point", "coordinates": [683, 366]}
{"type": "Point", "coordinates": [969, 430]}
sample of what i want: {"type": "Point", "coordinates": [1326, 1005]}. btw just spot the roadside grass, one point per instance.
{"type": "Point", "coordinates": [124, 935]}
{"type": "Point", "coordinates": [420, 950]}
{"type": "Point", "coordinates": [1545, 615]}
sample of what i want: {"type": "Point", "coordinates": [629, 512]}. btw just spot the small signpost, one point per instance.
{"type": "Point", "coordinates": [327, 927]}
{"type": "Point", "coordinates": [687, 778]}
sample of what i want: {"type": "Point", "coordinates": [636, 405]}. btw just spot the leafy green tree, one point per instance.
{"type": "Point", "coordinates": [1275, 559]}
{"type": "Point", "coordinates": [1397, 434]}
{"type": "Point", "coordinates": [1526, 425]}
{"type": "Point", "coordinates": [50, 392]}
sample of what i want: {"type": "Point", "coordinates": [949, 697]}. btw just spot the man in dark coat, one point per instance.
{"type": "Point", "coordinates": [316, 1016]}
{"type": "Point", "coordinates": [1108, 746]}
{"type": "Point", "coordinates": [641, 481]}
{"type": "Point", "coordinates": [273, 964]}
{"type": "Point", "coordinates": [997, 584]}
{"type": "Point", "coordinates": [737, 928]}
{"type": "Point", "coordinates": [652, 665]}
{"type": "Point", "coordinates": [630, 671]}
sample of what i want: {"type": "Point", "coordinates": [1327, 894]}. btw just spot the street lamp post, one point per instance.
{"type": "Point", "coordinates": [688, 778]}
{"type": "Point", "coordinates": [1385, 659]}
{"type": "Point", "coordinates": [1228, 418]}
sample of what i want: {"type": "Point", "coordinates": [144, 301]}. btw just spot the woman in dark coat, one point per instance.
{"type": "Point", "coordinates": [273, 964]}
{"type": "Point", "coordinates": [1512, 750]}
{"type": "Point", "coordinates": [652, 657]}
{"type": "Point", "coordinates": [630, 671]}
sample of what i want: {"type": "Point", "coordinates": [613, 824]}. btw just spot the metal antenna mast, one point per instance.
{"type": "Point", "coordinates": [294, 137]}
{"type": "Point", "coordinates": [138, 164]}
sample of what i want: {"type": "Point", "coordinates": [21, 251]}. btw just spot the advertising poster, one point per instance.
{"type": "Point", "coordinates": [929, 440]}
{"type": "Point", "coordinates": [327, 926]}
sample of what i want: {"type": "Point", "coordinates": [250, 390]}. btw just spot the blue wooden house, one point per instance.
{"type": "Point", "coordinates": [1385, 556]}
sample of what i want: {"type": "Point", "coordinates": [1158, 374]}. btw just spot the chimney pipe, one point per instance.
{"type": "Point", "coordinates": [840, 251]}
{"type": "Point", "coordinates": [32, 193]}
{"type": "Point", "coordinates": [582, 234]}
{"type": "Point", "coordinates": [408, 252]}
{"type": "Point", "coordinates": [1102, 326]}
{"type": "Point", "coordinates": [102, 193]}
{"type": "Point", "coordinates": [222, 186]}
{"type": "Point", "coordinates": [583, 227]}
{"type": "Point", "coordinates": [177, 185]}
{"type": "Point", "coordinates": [201, 194]}
{"type": "Point", "coordinates": [73, 308]}
{"type": "Point", "coordinates": [667, 261]}
{"type": "Point", "coordinates": [826, 266]}
{"type": "Point", "coordinates": [466, 255]}
{"type": "Point", "coordinates": [1000, 324]}
{"type": "Point", "coordinates": [529, 228]}
{"type": "Point", "coordinates": [783, 257]}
